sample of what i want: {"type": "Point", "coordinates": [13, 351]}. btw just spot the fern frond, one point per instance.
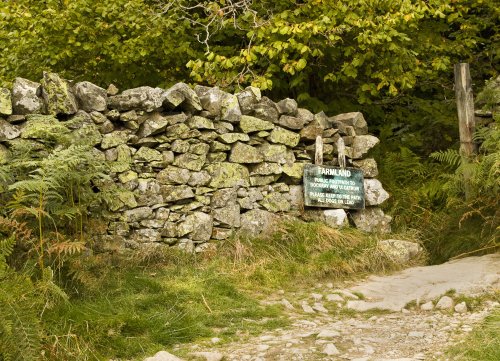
{"type": "Point", "coordinates": [449, 157]}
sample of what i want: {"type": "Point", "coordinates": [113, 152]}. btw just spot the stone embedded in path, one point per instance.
{"type": "Point", "coordinates": [163, 356]}
{"type": "Point", "coordinates": [319, 307]}
{"type": "Point", "coordinates": [306, 308]}
{"type": "Point", "coordinates": [461, 307]}
{"type": "Point", "coordinates": [208, 356]}
{"type": "Point", "coordinates": [287, 304]}
{"type": "Point", "coordinates": [428, 306]}
{"type": "Point", "coordinates": [331, 350]}
{"type": "Point", "coordinates": [327, 334]}
{"type": "Point", "coordinates": [333, 297]}
{"type": "Point", "coordinates": [444, 303]}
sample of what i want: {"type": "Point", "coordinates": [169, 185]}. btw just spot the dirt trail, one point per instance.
{"type": "Point", "coordinates": [327, 323]}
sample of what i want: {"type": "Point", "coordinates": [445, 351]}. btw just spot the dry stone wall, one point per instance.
{"type": "Point", "coordinates": [195, 165]}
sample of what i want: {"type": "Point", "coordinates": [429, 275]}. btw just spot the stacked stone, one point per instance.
{"type": "Point", "coordinates": [196, 165]}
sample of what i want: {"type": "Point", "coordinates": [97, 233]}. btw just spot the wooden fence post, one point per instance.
{"type": "Point", "coordinates": [318, 156]}
{"type": "Point", "coordinates": [465, 108]}
{"type": "Point", "coordinates": [466, 121]}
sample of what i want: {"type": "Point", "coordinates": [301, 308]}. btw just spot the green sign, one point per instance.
{"type": "Point", "coordinates": [333, 187]}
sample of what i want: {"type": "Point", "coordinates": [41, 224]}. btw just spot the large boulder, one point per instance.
{"type": "Point", "coordinates": [57, 95]}
{"type": "Point", "coordinates": [5, 102]}
{"type": "Point", "coordinates": [143, 98]}
{"type": "Point", "coordinates": [372, 220]}
{"type": "Point", "coordinates": [26, 97]}
{"type": "Point", "coordinates": [375, 194]}
{"type": "Point", "coordinates": [91, 97]}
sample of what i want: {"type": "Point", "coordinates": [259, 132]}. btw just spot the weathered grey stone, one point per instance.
{"type": "Point", "coordinates": [123, 159]}
{"type": "Point", "coordinates": [372, 220]}
{"type": "Point", "coordinates": [354, 119]}
{"type": "Point", "coordinates": [266, 169]}
{"type": "Point", "coordinates": [168, 157]}
{"type": "Point", "coordinates": [335, 218]}
{"type": "Point", "coordinates": [197, 179]}
{"type": "Point", "coordinates": [152, 223]}
{"type": "Point", "coordinates": [248, 99]}
{"type": "Point", "coordinates": [173, 175]}
{"type": "Point", "coordinates": [295, 170]}
{"type": "Point", "coordinates": [277, 153]}
{"type": "Point", "coordinates": [210, 99]}
{"type": "Point", "coordinates": [146, 235]}
{"type": "Point", "coordinates": [296, 197]}
{"type": "Point", "coordinates": [257, 221]}
{"type": "Point", "coordinates": [148, 192]}
{"type": "Point", "coordinates": [154, 124]}
{"type": "Point", "coordinates": [148, 155]}
{"type": "Point", "coordinates": [368, 166]}
{"type": "Point", "coordinates": [216, 146]}
{"type": "Point", "coordinates": [106, 127]}
{"type": "Point", "coordinates": [98, 118]}
{"type": "Point", "coordinates": [287, 106]}
{"type": "Point", "coordinates": [227, 175]}
{"type": "Point", "coordinates": [230, 109]}
{"type": "Point", "coordinates": [114, 139]}
{"type": "Point", "coordinates": [144, 98]}
{"type": "Point", "coordinates": [4, 154]}
{"type": "Point", "coordinates": [163, 356]}
{"type": "Point", "coordinates": [249, 124]}
{"type": "Point", "coordinates": [8, 131]}
{"type": "Point", "coordinates": [228, 216]}
{"type": "Point", "coordinates": [361, 145]}
{"type": "Point", "coordinates": [162, 213]}
{"type": "Point", "coordinates": [199, 148]}
{"type": "Point", "coordinates": [400, 251]}
{"type": "Point", "coordinates": [461, 307]}
{"type": "Point", "coordinates": [289, 122]}
{"type": "Point", "coordinates": [112, 90]}
{"type": "Point", "coordinates": [138, 214]}
{"type": "Point", "coordinates": [5, 102]}
{"type": "Point", "coordinates": [262, 180]}
{"type": "Point", "coordinates": [312, 130]}
{"type": "Point", "coordinates": [445, 303]}
{"type": "Point", "coordinates": [223, 197]}
{"type": "Point", "coordinates": [190, 161]}
{"type": "Point", "coordinates": [182, 94]}
{"type": "Point", "coordinates": [176, 193]}
{"type": "Point", "coordinates": [87, 134]}
{"type": "Point", "coordinates": [374, 192]}
{"type": "Point", "coordinates": [275, 202]}
{"type": "Point", "coordinates": [230, 138]}
{"type": "Point", "coordinates": [41, 126]}
{"type": "Point", "coordinates": [283, 136]}
{"type": "Point", "coordinates": [180, 146]}
{"type": "Point", "coordinates": [90, 97]}
{"type": "Point", "coordinates": [180, 130]}
{"type": "Point", "coordinates": [16, 119]}
{"type": "Point", "coordinates": [428, 306]}
{"type": "Point", "coordinates": [186, 245]}
{"type": "Point", "coordinates": [57, 95]}
{"type": "Point", "coordinates": [198, 225]}
{"type": "Point", "coordinates": [223, 127]}
{"type": "Point", "coordinates": [244, 153]}
{"type": "Point", "coordinates": [128, 176]}
{"type": "Point", "coordinates": [216, 157]}
{"type": "Point", "coordinates": [198, 122]}
{"type": "Point", "coordinates": [266, 109]}
{"type": "Point", "coordinates": [26, 97]}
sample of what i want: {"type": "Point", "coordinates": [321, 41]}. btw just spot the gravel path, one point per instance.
{"type": "Point", "coordinates": [419, 321]}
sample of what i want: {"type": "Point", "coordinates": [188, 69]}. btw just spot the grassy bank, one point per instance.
{"type": "Point", "coordinates": [483, 344]}
{"type": "Point", "coordinates": [130, 307]}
